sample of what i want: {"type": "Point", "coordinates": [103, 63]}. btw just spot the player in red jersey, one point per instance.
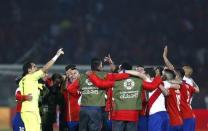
{"type": "Point", "coordinates": [187, 113]}
{"type": "Point", "coordinates": [173, 105]}
{"type": "Point", "coordinates": [71, 97]}
{"type": "Point", "coordinates": [93, 108]}
{"type": "Point", "coordinates": [186, 91]}
{"type": "Point", "coordinates": [124, 118]}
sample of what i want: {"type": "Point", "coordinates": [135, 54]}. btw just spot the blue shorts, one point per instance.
{"type": "Point", "coordinates": [107, 126]}
{"type": "Point", "coordinates": [158, 121]}
{"type": "Point", "coordinates": [73, 126]}
{"type": "Point", "coordinates": [176, 128]}
{"type": "Point", "coordinates": [143, 123]}
{"type": "Point", "coordinates": [189, 124]}
{"type": "Point", "coordinates": [17, 123]}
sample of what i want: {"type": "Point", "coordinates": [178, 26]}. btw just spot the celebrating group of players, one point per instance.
{"type": "Point", "coordinates": [125, 99]}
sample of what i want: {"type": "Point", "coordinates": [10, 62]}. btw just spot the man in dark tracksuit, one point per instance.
{"type": "Point", "coordinates": [50, 98]}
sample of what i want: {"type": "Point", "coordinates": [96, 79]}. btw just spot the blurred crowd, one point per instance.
{"type": "Point", "coordinates": [129, 30]}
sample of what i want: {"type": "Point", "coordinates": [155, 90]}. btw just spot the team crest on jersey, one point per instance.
{"type": "Point", "coordinates": [129, 84]}
{"type": "Point", "coordinates": [89, 83]}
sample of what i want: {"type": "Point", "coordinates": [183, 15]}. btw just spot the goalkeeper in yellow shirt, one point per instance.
{"type": "Point", "coordinates": [29, 85]}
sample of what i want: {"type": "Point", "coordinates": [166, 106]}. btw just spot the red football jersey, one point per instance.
{"type": "Point", "coordinates": [173, 108]}
{"type": "Point", "coordinates": [71, 96]}
{"type": "Point", "coordinates": [19, 99]}
{"type": "Point", "coordinates": [186, 95]}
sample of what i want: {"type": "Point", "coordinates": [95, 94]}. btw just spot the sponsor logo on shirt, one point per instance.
{"type": "Point", "coordinates": [129, 84]}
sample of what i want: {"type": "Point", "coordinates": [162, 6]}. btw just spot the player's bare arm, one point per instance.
{"type": "Point", "coordinates": [48, 65]}
{"type": "Point", "coordinates": [164, 91]}
{"type": "Point", "coordinates": [137, 74]}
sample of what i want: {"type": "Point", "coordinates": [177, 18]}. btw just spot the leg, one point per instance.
{"type": "Point", "coordinates": [84, 119]}
{"type": "Point", "coordinates": [155, 122]}
{"type": "Point", "coordinates": [17, 123]}
{"type": "Point", "coordinates": [96, 120]}
{"type": "Point", "coordinates": [109, 122]}
{"type": "Point", "coordinates": [142, 123]}
{"type": "Point", "coordinates": [131, 126]}
{"type": "Point", "coordinates": [106, 122]}
{"type": "Point", "coordinates": [29, 117]}
{"type": "Point", "coordinates": [117, 125]}
{"type": "Point", "coordinates": [175, 128]}
{"type": "Point", "coordinates": [73, 126]}
{"type": "Point", "coordinates": [189, 124]}
{"type": "Point", "coordinates": [166, 121]}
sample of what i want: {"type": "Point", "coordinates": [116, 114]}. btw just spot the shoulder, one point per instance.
{"type": "Point", "coordinates": [39, 72]}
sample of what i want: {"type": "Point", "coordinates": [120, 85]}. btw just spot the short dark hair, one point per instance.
{"type": "Point", "coordinates": [95, 63]}
{"type": "Point", "coordinates": [140, 66]}
{"type": "Point", "coordinates": [169, 74]}
{"type": "Point", "coordinates": [56, 78]}
{"type": "Point", "coordinates": [25, 67]}
{"type": "Point", "coordinates": [72, 67]}
{"type": "Point", "coordinates": [126, 66]}
{"type": "Point", "coordinates": [150, 71]}
{"type": "Point", "coordinates": [160, 69]}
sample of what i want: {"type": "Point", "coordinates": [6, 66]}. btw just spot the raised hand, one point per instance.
{"type": "Point", "coordinates": [165, 52]}
{"type": "Point", "coordinates": [60, 52]}
{"type": "Point", "coordinates": [167, 62]}
{"type": "Point", "coordinates": [108, 59]}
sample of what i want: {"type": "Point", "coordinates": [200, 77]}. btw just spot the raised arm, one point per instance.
{"type": "Point", "coordinates": [48, 65]}
{"type": "Point", "coordinates": [116, 76]}
{"type": "Point", "coordinates": [103, 84]}
{"type": "Point", "coordinates": [167, 62]}
{"type": "Point", "coordinates": [165, 58]}
{"type": "Point", "coordinates": [110, 62]}
{"type": "Point", "coordinates": [164, 91]}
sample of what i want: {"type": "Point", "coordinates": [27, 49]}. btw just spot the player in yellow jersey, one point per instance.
{"type": "Point", "coordinates": [29, 85]}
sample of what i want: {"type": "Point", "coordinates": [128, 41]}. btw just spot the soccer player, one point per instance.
{"type": "Point", "coordinates": [92, 99]}
{"type": "Point", "coordinates": [29, 85]}
{"type": "Point", "coordinates": [72, 107]}
{"type": "Point", "coordinates": [172, 102]}
{"type": "Point", "coordinates": [187, 90]}
{"type": "Point", "coordinates": [158, 119]}
{"type": "Point", "coordinates": [187, 114]}
{"type": "Point", "coordinates": [187, 76]}
{"type": "Point", "coordinates": [17, 122]}
{"type": "Point", "coordinates": [143, 118]}
{"type": "Point", "coordinates": [143, 115]}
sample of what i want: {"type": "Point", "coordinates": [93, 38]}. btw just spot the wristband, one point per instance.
{"type": "Point", "coordinates": [55, 58]}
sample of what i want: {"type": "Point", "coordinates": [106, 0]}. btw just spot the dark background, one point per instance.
{"type": "Point", "coordinates": [133, 30]}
